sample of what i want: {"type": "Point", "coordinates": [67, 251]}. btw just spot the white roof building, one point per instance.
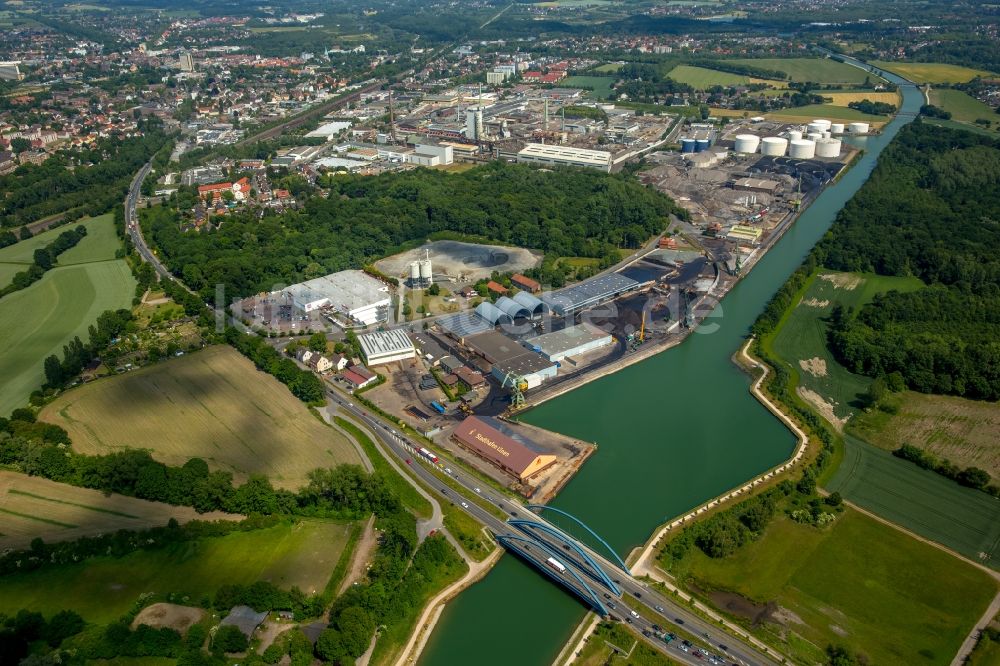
{"type": "Point", "coordinates": [353, 294]}
{"type": "Point", "coordinates": [386, 346]}
{"type": "Point", "coordinates": [540, 153]}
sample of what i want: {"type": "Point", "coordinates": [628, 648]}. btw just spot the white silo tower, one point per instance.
{"type": "Point", "coordinates": [426, 275]}
{"type": "Point", "coordinates": [747, 143]}
{"type": "Point", "coordinates": [774, 146]}
{"type": "Point", "coordinates": [804, 149]}
{"type": "Point", "coordinates": [414, 273]}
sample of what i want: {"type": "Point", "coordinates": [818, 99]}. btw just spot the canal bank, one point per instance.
{"type": "Point", "coordinates": [674, 431]}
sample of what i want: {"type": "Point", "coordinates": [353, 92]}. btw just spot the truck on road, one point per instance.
{"type": "Point", "coordinates": [556, 564]}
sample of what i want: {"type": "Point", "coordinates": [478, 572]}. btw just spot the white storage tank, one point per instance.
{"type": "Point", "coordinates": [814, 136]}
{"type": "Point", "coordinates": [747, 143]}
{"type": "Point", "coordinates": [836, 128]}
{"type": "Point", "coordinates": [425, 271]}
{"type": "Point", "coordinates": [414, 272]}
{"type": "Point", "coordinates": [773, 145]}
{"type": "Point", "coordinates": [828, 148]}
{"type": "Point", "coordinates": [803, 149]}
{"type": "Point", "coordinates": [795, 135]}
{"type": "Point", "coordinates": [822, 122]}
{"type": "Point", "coordinates": [858, 128]}
{"type": "Point", "coordinates": [826, 135]}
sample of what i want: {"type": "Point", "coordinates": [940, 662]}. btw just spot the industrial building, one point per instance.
{"type": "Point", "coordinates": [589, 292]}
{"type": "Point", "coordinates": [570, 341]}
{"type": "Point", "coordinates": [756, 185]}
{"type": "Point", "coordinates": [386, 346]}
{"type": "Point", "coordinates": [508, 359]}
{"type": "Point", "coordinates": [353, 295]}
{"type": "Point", "coordinates": [498, 445]}
{"type": "Point", "coordinates": [540, 153]}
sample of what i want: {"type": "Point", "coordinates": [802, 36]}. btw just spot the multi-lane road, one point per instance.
{"type": "Point", "coordinates": [132, 224]}
{"type": "Point", "coordinates": [652, 607]}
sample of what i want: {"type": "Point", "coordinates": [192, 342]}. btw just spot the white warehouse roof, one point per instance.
{"type": "Point", "coordinates": [347, 291]}
{"type": "Point", "coordinates": [541, 152]}
{"type": "Point", "coordinates": [386, 345]}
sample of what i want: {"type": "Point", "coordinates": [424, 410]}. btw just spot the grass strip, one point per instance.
{"type": "Point", "coordinates": [41, 520]}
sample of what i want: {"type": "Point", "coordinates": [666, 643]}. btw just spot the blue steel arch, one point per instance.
{"type": "Point", "coordinates": [520, 523]}
{"type": "Point", "coordinates": [618, 560]}
{"type": "Point", "coordinates": [595, 600]}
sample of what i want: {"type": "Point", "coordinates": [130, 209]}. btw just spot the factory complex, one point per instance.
{"type": "Point", "coordinates": [349, 297]}
{"type": "Point", "coordinates": [386, 346]}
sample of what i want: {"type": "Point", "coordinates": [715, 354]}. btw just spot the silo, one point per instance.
{"type": "Point", "coordinates": [425, 271]}
{"type": "Point", "coordinates": [773, 145]}
{"type": "Point", "coordinates": [414, 272]}
{"type": "Point", "coordinates": [794, 135]}
{"type": "Point", "coordinates": [858, 128]}
{"type": "Point", "coordinates": [701, 145]}
{"type": "Point", "coordinates": [747, 143]}
{"type": "Point", "coordinates": [836, 128]}
{"type": "Point", "coordinates": [803, 149]}
{"type": "Point", "coordinates": [828, 148]}
{"type": "Point", "coordinates": [687, 145]}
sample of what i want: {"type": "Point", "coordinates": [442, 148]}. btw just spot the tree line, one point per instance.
{"type": "Point", "coordinates": [43, 259]}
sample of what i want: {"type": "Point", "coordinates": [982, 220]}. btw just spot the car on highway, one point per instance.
{"type": "Point", "coordinates": [659, 609]}
{"type": "Point", "coordinates": [464, 505]}
{"type": "Point", "coordinates": [678, 620]}
{"type": "Point", "coordinates": [634, 614]}
{"type": "Point", "coordinates": [409, 462]}
{"type": "Point", "coordinates": [477, 490]}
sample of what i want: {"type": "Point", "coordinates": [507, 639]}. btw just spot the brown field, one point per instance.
{"type": "Point", "coordinates": [34, 507]}
{"type": "Point", "coordinates": [213, 404]}
{"type": "Point", "coordinates": [966, 432]}
{"type": "Point", "coordinates": [172, 616]}
{"type": "Point", "coordinates": [845, 98]}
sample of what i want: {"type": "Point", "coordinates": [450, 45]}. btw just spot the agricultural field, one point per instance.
{"type": "Point", "coordinates": [35, 507]}
{"type": "Point", "coordinates": [857, 582]}
{"type": "Point", "coordinates": [303, 553]}
{"type": "Point", "coordinates": [845, 98]}
{"type": "Point", "coordinates": [703, 78]}
{"type": "Point", "coordinates": [964, 108]}
{"type": "Point", "coordinates": [817, 70]}
{"type": "Point", "coordinates": [924, 502]}
{"type": "Point", "coordinates": [801, 340]}
{"type": "Point", "coordinates": [213, 404]}
{"type": "Point", "coordinates": [17, 257]}
{"type": "Point", "coordinates": [966, 432]}
{"type": "Point", "coordinates": [600, 84]}
{"type": "Point", "coordinates": [608, 68]}
{"type": "Point", "coordinates": [931, 72]}
{"type": "Point", "coordinates": [37, 321]}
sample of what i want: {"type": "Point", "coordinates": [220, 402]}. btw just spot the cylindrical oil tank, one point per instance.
{"type": "Point", "coordinates": [826, 135]}
{"type": "Point", "coordinates": [815, 128]}
{"type": "Point", "coordinates": [836, 128]}
{"type": "Point", "coordinates": [804, 149]}
{"type": "Point", "coordinates": [814, 136]}
{"type": "Point", "coordinates": [687, 145]}
{"type": "Point", "coordinates": [773, 145]}
{"type": "Point", "coordinates": [822, 122]}
{"type": "Point", "coordinates": [858, 128]}
{"type": "Point", "coordinates": [794, 135]}
{"type": "Point", "coordinates": [701, 144]}
{"type": "Point", "coordinates": [414, 271]}
{"type": "Point", "coordinates": [828, 148]}
{"type": "Point", "coordinates": [747, 143]}
{"type": "Point", "coordinates": [425, 270]}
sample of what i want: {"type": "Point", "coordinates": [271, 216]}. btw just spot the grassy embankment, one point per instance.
{"type": "Point", "coordinates": [302, 553]}
{"type": "Point", "coordinates": [856, 582]}
{"type": "Point", "coordinates": [919, 500]}
{"type": "Point", "coordinates": [609, 644]}
{"type": "Point", "coordinates": [212, 404]}
{"type": "Point", "coordinates": [930, 72]}
{"type": "Point", "coordinates": [36, 322]}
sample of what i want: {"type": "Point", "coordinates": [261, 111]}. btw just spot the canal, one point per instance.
{"type": "Point", "coordinates": [673, 431]}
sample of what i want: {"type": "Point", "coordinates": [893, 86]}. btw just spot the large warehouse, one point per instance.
{"type": "Point", "coordinates": [570, 341]}
{"type": "Point", "coordinates": [386, 346]}
{"type": "Point", "coordinates": [541, 153]}
{"type": "Point", "coordinates": [483, 437]}
{"type": "Point", "coordinates": [509, 358]}
{"type": "Point", "coordinates": [589, 292]}
{"type": "Point", "coordinates": [353, 294]}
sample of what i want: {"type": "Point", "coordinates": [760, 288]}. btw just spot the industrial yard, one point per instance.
{"type": "Point", "coordinates": [455, 261]}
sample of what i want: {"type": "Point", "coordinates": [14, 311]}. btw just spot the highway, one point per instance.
{"type": "Point", "coordinates": [655, 608]}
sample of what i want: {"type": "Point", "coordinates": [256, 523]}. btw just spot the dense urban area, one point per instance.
{"type": "Point", "coordinates": [648, 332]}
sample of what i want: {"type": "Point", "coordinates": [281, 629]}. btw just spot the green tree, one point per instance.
{"type": "Point", "coordinates": [330, 646]}
{"type": "Point", "coordinates": [317, 342]}
{"type": "Point", "coordinates": [229, 639]}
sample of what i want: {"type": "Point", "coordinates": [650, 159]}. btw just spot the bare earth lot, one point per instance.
{"type": "Point", "coordinates": [966, 432]}
{"type": "Point", "coordinates": [34, 507]}
{"type": "Point", "coordinates": [213, 404]}
{"type": "Point", "coordinates": [459, 259]}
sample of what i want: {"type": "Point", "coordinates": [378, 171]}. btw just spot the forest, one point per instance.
{"type": "Point", "coordinates": [931, 210]}
{"type": "Point", "coordinates": [564, 212]}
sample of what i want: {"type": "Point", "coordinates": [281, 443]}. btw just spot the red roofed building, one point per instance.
{"type": "Point", "coordinates": [532, 76]}
{"type": "Point", "coordinates": [496, 288]}
{"type": "Point", "coordinates": [553, 77]}
{"type": "Point", "coordinates": [525, 283]}
{"type": "Point", "coordinates": [214, 190]}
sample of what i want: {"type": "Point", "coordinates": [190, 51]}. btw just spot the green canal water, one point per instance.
{"type": "Point", "coordinates": [673, 431]}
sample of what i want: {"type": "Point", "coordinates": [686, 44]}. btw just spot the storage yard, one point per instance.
{"type": "Point", "coordinates": [460, 262]}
